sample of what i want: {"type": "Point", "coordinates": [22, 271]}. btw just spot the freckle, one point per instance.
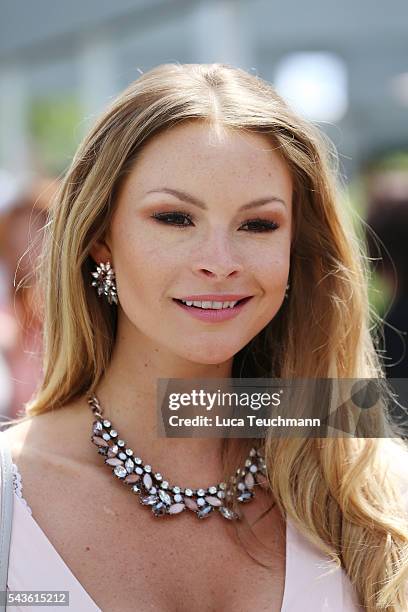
{"type": "Point", "coordinates": [145, 365]}
{"type": "Point", "coordinates": [87, 548]}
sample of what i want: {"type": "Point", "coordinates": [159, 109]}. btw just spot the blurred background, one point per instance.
{"type": "Point", "coordinates": [342, 65]}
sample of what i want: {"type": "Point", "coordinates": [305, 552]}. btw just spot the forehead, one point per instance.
{"type": "Point", "coordinates": [196, 151]}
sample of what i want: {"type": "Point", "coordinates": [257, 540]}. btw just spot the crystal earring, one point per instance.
{"type": "Point", "coordinates": [287, 291]}
{"type": "Point", "coordinates": [105, 282]}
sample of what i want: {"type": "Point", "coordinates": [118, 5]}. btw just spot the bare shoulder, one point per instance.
{"type": "Point", "coordinates": [51, 450]}
{"type": "Point", "coordinates": [52, 432]}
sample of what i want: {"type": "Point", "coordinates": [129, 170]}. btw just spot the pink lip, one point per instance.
{"type": "Point", "coordinates": [214, 297]}
{"type": "Point", "coordinates": [213, 316]}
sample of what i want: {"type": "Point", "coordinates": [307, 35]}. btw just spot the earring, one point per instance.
{"type": "Point", "coordinates": [287, 291]}
{"type": "Point", "coordinates": [105, 282]}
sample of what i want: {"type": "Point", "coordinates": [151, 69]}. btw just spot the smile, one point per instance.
{"type": "Point", "coordinates": [213, 311]}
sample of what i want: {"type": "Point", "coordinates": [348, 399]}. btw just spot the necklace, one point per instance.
{"type": "Point", "coordinates": [163, 498]}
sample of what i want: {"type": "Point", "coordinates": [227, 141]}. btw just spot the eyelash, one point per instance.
{"type": "Point", "coordinates": [269, 226]}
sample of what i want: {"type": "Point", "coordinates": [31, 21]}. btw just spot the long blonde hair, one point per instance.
{"type": "Point", "coordinates": [337, 491]}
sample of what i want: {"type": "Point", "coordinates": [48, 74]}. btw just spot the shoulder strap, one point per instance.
{"type": "Point", "coordinates": [6, 506]}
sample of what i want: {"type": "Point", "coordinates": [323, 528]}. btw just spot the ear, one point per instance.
{"type": "Point", "coordinates": [101, 252]}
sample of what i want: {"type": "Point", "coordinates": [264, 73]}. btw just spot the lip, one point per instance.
{"type": "Point", "coordinates": [214, 315]}
{"type": "Point", "coordinates": [215, 297]}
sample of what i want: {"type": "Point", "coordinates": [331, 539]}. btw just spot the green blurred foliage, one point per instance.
{"type": "Point", "coordinates": [54, 124]}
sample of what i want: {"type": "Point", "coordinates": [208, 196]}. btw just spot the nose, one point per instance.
{"type": "Point", "coordinates": [217, 258]}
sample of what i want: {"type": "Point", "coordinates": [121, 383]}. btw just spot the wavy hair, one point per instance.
{"type": "Point", "coordinates": [342, 493]}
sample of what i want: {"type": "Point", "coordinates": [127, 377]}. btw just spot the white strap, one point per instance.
{"type": "Point", "coordinates": [6, 517]}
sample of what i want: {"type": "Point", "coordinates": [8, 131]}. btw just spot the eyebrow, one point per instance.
{"type": "Point", "coordinates": [186, 197]}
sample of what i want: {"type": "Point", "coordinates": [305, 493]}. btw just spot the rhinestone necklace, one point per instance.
{"type": "Point", "coordinates": [158, 494]}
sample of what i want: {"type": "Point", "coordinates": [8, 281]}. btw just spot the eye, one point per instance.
{"type": "Point", "coordinates": [163, 218]}
{"type": "Point", "coordinates": [262, 225]}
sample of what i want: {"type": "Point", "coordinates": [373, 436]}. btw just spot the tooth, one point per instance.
{"type": "Point", "coordinates": [225, 304]}
{"type": "Point", "coordinates": [197, 304]}
{"type": "Point", "coordinates": [217, 305]}
{"type": "Point", "coordinates": [189, 303]}
{"type": "Point", "coordinates": [206, 305]}
{"type": "Point", "coordinates": [232, 304]}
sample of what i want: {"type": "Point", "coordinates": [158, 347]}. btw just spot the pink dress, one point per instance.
{"type": "Point", "coordinates": [35, 564]}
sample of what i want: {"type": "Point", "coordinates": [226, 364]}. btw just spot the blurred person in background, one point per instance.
{"type": "Point", "coordinates": [388, 217]}
{"type": "Point", "coordinates": [21, 223]}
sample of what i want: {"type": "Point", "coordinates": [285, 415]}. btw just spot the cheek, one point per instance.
{"type": "Point", "coordinates": [269, 262]}
{"type": "Point", "coordinates": [144, 268]}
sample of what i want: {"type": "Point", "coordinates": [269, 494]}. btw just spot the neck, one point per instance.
{"type": "Point", "coordinates": [127, 395]}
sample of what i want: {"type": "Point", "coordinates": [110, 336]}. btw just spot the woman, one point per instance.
{"type": "Point", "coordinates": [200, 184]}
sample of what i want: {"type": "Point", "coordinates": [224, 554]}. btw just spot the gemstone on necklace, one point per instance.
{"type": "Point", "coordinates": [99, 441]}
{"type": "Point", "coordinates": [221, 494]}
{"type": "Point", "coordinates": [227, 513]}
{"type": "Point", "coordinates": [165, 497]}
{"type": "Point", "coordinates": [213, 501]}
{"type": "Point", "coordinates": [129, 452]}
{"type": "Point", "coordinates": [245, 497]}
{"type": "Point", "coordinates": [248, 462]}
{"type": "Point", "coordinates": [153, 490]}
{"type": "Point", "coordinates": [121, 443]}
{"type": "Point", "coordinates": [200, 492]}
{"type": "Point", "coordinates": [176, 489]}
{"type": "Point", "coordinates": [204, 512]}
{"type": "Point", "coordinates": [114, 461]}
{"type": "Point", "coordinates": [241, 486]}
{"type": "Point", "coordinates": [129, 465]}
{"type": "Point", "coordinates": [249, 480]}
{"type": "Point", "coordinates": [106, 436]}
{"type": "Point", "coordinates": [190, 503]}
{"type": "Point", "coordinates": [147, 468]}
{"type": "Point", "coordinates": [212, 490]}
{"type": "Point", "coordinates": [178, 498]}
{"type": "Point", "coordinates": [188, 492]}
{"type": "Point", "coordinates": [113, 433]}
{"type": "Point", "coordinates": [97, 427]}
{"type": "Point", "coordinates": [139, 470]}
{"type": "Point", "coordinates": [147, 481]}
{"type": "Point", "coordinates": [138, 460]}
{"type": "Point", "coordinates": [176, 508]}
{"type": "Point", "coordinates": [164, 484]}
{"type": "Point", "coordinates": [106, 423]}
{"type": "Point", "coordinates": [132, 478]}
{"type": "Point", "coordinates": [149, 500]}
{"type": "Point", "coordinates": [159, 509]}
{"type": "Point", "coordinates": [252, 452]}
{"type": "Point", "coordinates": [136, 488]}
{"type": "Point", "coordinates": [122, 456]}
{"type": "Point", "coordinates": [222, 486]}
{"type": "Point", "coordinates": [120, 471]}
{"type": "Point", "coordinates": [158, 476]}
{"type": "Point", "coordinates": [201, 501]}
{"type": "Point", "coordinates": [253, 469]}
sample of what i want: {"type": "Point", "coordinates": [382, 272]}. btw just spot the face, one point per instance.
{"type": "Point", "coordinates": [198, 216]}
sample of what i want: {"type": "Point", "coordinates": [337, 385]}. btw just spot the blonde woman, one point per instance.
{"type": "Point", "coordinates": [200, 184]}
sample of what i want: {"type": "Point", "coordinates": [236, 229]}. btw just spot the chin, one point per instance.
{"type": "Point", "coordinates": [210, 355]}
